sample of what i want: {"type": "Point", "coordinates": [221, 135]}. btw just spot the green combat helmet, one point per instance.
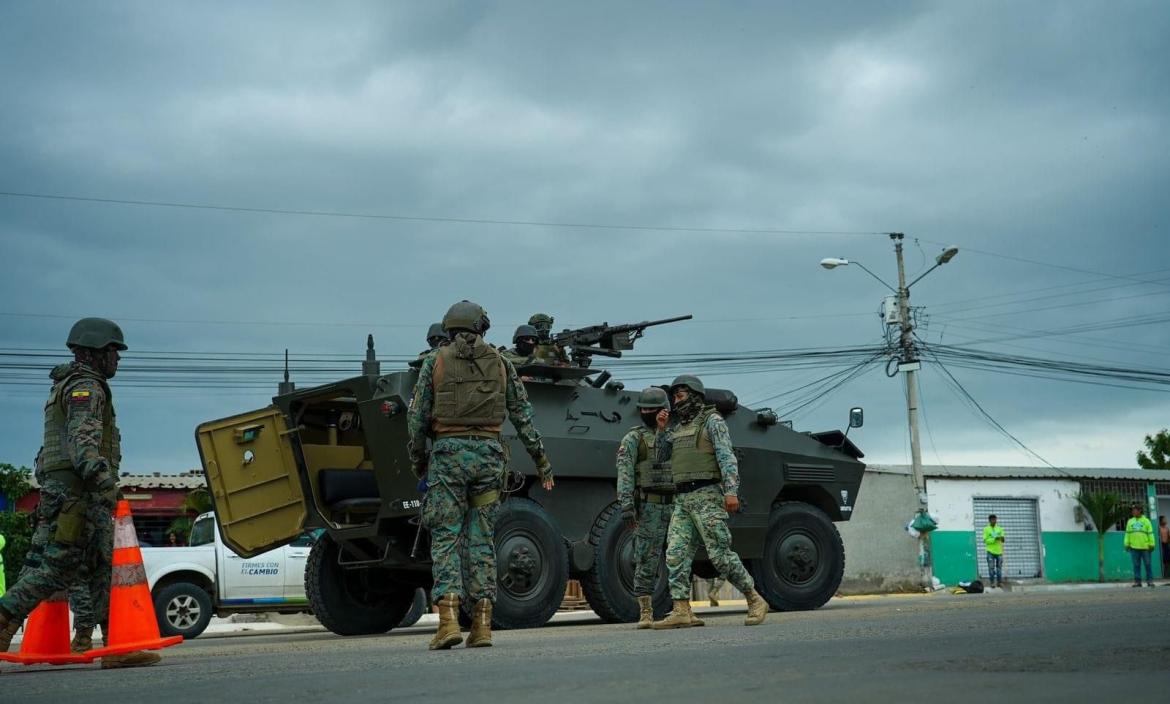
{"type": "Point", "coordinates": [466, 315]}
{"type": "Point", "coordinates": [95, 333]}
{"type": "Point", "coordinates": [652, 397]}
{"type": "Point", "coordinates": [691, 382]}
{"type": "Point", "coordinates": [524, 331]}
{"type": "Point", "coordinates": [541, 321]}
{"type": "Point", "coordinates": [435, 335]}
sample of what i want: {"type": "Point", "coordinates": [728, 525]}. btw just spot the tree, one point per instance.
{"type": "Point", "coordinates": [1105, 508]}
{"type": "Point", "coordinates": [14, 482]}
{"type": "Point", "coordinates": [16, 527]}
{"type": "Point", "coordinates": [1157, 454]}
{"type": "Point", "coordinates": [197, 501]}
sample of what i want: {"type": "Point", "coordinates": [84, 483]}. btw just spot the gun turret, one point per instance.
{"type": "Point", "coordinates": [605, 340]}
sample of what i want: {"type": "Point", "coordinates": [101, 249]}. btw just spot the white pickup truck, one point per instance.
{"type": "Point", "coordinates": [190, 584]}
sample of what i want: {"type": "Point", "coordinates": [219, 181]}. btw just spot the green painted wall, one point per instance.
{"type": "Point", "coordinates": [1068, 557]}
{"type": "Point", "coordinates": [955, 558]}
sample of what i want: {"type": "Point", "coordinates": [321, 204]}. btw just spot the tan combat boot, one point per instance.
{"type": "Point", "coordinates": [645, 612]}
{"type": "Point", "coordinates": [680, 617]}
{"type": "Point", "coordinates": [82, 640]}
{"type": "Point", "coordinates": [757, 609]}
{"type": "Point", "coordinates": [448, 634]}
{"type": "Point", "coordinates": [139, 658]}
{"type": "Point", "coordinates": [8, 628]}
{"type": "Point", "coordinates": [481, 625]}
{"type": "Point", "coordinates": [713, 599]}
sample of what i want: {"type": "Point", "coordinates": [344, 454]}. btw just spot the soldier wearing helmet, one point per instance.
{"type": "Point", "coordinates": [706, 479]}
{"type": "Point", "coordinates": [546, 351]}
{"type": "Point", "coordinates": [77, 470]}
{"type": "Point", "coordinates": [436, 338]}
{"type": "Point", "coordinates": [464, 392]}
{"type": "Point", "coordinates": [523, 346]}
{"type": "Point", "coordinates": [645, 490]}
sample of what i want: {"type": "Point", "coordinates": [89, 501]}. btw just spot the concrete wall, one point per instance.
{"type": "Point", "coordinates": [879, 555]}
{"type": "Point", "coordinates": [1068, 551]}
{"type": "Point", "coordinates": [950, 500]}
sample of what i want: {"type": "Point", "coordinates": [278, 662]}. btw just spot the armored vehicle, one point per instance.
{"type": "Point", "coordinates": [334, 457]}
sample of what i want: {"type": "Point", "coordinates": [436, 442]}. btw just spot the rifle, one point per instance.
{"type": "Point", "coordinates": [605, 339]}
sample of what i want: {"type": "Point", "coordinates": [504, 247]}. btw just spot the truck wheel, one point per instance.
{"type": "Point", "coordinates": [182, 609]}
{"type": "Point", "coordinates": [803, 560]}
{"type": "Point", "coordinates": [532, 566]}
{"type": "Point", "coordinates": [609, 584]}
{"type": "Point", "coordinates": [354, 601]}
{"type": "Point", "coordinates": [418, 607]}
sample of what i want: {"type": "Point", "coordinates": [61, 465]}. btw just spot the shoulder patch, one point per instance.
{"type": "Point", "coordinates": [80, 397]}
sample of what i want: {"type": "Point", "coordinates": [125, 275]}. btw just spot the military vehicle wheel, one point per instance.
{"type": "Point", "coordinates": [418, 607]}
{"type": "Point", "coordinates": [609, 584]}
{"type": "Point", "coordinates": [353, 602]}
{"type": "Point", "coordinates": [532, 566]}
{"type": "Point", "coordinates": [803, 560]}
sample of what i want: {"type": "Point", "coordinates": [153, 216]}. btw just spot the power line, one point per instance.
{"type": "Point", "coordinates": [1050, 265]}
{"type": "Point", "coordinates": [416, 218]}
{"type": "Point", "coordinates": [983, 412]}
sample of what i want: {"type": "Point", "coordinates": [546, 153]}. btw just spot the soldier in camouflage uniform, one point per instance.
{"type": "Point", "coordinates": [436, 338]}
{"type": "Point", "coordinates": [524, 346]}
{"type": "Point", "coordinates": [645, 493]}
{"type": "Point", "coordinates": [706, 477]}
{"type": "Point", "coordinates": [77, 469]}
{"type": "Point", "coordinates": [546, 352]}
{"type": "Point", "coordinates": [713, 586]}
{"type": "Point", "coordinates": [462, 396]}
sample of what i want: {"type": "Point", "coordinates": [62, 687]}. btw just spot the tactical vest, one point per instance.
{"type": "Point", "coordinates": [469, 390]}
{"type": "Point", "coordinates": [548, 353]}
{"type": "Point", "coordinates": [646, 476]}
{"type": "Point", "coordinates": [692, 456]}
{"type": "Point", "coordinates": [55, 454]}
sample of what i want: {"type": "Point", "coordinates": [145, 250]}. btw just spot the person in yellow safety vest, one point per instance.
{"type": "Point", "coordinates": [1139, 540]}
{"type": "Point", "coordinates": [993, 537]}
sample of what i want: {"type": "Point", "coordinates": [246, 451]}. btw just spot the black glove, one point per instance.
{"type": "Point", "coordinates": [629, 515]}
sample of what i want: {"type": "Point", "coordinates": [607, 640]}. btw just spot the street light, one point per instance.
{"type": "Point", "coordinates": [908, 363]}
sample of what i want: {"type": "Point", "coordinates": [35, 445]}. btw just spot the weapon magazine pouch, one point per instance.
{"type": "Point", "coordinates": [70, 522]}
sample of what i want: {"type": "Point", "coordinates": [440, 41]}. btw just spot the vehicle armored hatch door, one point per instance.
{"type": "Point", "coordinates": [251, 468]}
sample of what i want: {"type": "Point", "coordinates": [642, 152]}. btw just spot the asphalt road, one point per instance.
{"type": "Point", "coordinates": [1093, 646]}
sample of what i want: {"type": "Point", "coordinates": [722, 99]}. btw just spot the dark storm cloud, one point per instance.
{"type": "Point", "coordinates": [1038, 131]}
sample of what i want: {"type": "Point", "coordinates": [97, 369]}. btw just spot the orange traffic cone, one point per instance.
{"type": "Point", "coordinates": [46, 636]}
{"type": "Point", "coordinates": [133, 625]}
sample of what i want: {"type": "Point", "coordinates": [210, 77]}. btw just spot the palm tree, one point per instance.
{"type": "Point", "coordinates": [196, 502]}
{"type": "Point", "coordinates": [1105, 508]}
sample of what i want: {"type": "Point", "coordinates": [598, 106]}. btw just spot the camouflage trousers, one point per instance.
{"type": "Point", "coordinates": [653, 520]}
{"type": "Point", "coordinates": [89, 595]}
{"type": "Point", "coordinates": [699, 519]}
{"type": "Point", "coordinates": [463, 553]}
{"type": "Point", "coordinates": [66, 549]}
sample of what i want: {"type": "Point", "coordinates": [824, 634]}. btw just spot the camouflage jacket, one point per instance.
{"type": "Point", "coordinates": [627, 460]}
{"type": "Point", "coordinates": [422, 403]}
{"type": "Point", "coordinates": [81, 440]}
{"type": "Point", "coordinates": [716, 430]}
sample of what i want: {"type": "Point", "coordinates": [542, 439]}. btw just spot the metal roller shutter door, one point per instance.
{"type": "Point", "coordinates": [1021, 549]}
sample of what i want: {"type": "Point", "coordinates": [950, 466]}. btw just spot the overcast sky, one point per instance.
{"type": "Point", "coordinates": [1016, 131]}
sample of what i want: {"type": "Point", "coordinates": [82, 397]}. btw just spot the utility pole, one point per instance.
{"type": "Point", "coordinates": [909, 364]}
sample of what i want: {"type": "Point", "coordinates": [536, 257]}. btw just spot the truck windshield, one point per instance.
{"type": "Point", "coordinates": [202, 533]}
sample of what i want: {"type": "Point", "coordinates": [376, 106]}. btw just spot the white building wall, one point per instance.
{"type": "Point", "coordinates": [950, 500]}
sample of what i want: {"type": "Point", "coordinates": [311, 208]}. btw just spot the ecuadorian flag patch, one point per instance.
{"type": "Point", "coordinates": [79, 397]}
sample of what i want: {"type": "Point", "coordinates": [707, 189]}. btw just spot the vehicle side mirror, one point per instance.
{"type": "Point", "coordinates": [856, 417]}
